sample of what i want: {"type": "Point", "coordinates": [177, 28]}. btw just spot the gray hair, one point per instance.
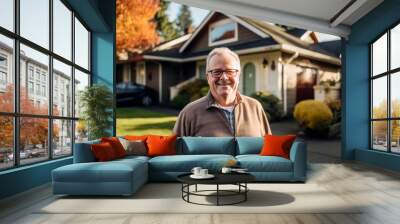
{"type": "Point", "coordinates": [220, 51]}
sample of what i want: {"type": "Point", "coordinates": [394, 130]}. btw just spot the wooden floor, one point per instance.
{"type": "Point", "coordinates": [378, 189]}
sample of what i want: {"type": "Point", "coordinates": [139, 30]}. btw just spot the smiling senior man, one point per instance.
{"type": "Point", "coordinates": [224, 111]}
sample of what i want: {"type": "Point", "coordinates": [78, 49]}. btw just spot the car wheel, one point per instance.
{"type": "Point", "coordinates": [147, 101]}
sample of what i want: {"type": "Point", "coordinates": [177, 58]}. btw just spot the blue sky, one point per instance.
{"type": "Point", "coordinates": [197, 14]}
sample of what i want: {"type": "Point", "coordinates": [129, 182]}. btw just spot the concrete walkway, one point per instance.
{"type": "Point", "coordinates": [319, 150]}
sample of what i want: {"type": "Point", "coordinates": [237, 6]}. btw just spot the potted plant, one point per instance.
{"type": "Point", "coordinates": [96, 104]}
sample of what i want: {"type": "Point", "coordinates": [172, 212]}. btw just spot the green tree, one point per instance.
{"type": "Point", "coordinates": [96, 102]}
{"type": "Point", "coordinates": [165, 28]}
{"type": "Point", "coordinates": [184, 20]}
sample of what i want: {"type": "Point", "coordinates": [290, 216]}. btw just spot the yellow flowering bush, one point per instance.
{"type": "Point", "coordinates": [313, 114]}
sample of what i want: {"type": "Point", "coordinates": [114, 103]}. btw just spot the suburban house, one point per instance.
{"type": "Point", "coordinates": [287, 62]}
{"type": "Point", "coordinates": [363, 186]}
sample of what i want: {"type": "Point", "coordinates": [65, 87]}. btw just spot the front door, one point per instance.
{"type": "Point", "coordinates": [306, 81]}
{"type": "Point", "coordinates": [249, 79]}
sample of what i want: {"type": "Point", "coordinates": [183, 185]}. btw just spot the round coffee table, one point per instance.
{"type": "Point", "coordinates": [238, 179]}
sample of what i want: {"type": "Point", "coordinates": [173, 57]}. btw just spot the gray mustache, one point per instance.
{"type": "Point", "coordinates": [223, 83]}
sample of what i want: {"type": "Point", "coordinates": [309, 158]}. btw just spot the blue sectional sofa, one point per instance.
{"type": "Point", "coordinates": [125, 176]}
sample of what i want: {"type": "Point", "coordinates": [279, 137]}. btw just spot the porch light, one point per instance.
{"type": "Point", "coordinates": [265, 62]}
{"type": "Point", "coordinates": [273, 66]}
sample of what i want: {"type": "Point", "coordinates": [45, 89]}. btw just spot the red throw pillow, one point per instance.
{"type": "Point", "coordinates": [116, 145]}
{"type": "Point", "coordinates": [136, 137]}
{"type": "Point", "coordinates": [277, 145]}
{"type": "Point", "coordinates": [161, 145]}
{"type": "Point", "coordinates": [103, 151]}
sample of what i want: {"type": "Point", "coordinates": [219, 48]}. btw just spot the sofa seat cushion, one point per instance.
{"type": "Point", "coordinates": [185, 163]}
{"type": "Point", "coordinates": [111, 171]}
{"type": "Point", "coordinates": [257, 163]}
{"type": "Point", "coordinates": [133, 158]}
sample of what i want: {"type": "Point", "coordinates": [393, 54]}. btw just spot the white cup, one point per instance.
{"type": "Point", "coordinates": [203, 172]}
{"type": "Point", "coordinates": [226, 170]}
{"type": "Point", "coordinates": [196, 170]}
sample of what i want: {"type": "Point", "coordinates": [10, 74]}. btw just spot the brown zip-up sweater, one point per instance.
{"type": "Point", "coordinates": [203, 118]}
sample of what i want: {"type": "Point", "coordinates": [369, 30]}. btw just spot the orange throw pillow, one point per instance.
{"type": "Point", "coordinates": [277, 145]}
{"type": "Point", "coordinates": [116, 145]}
{"type": "Point", "coordinates": [161, 145]}
{"type": "Point", "coordinates": [136, 137]}
{"type": "Point", "coordinates": [103, 151]}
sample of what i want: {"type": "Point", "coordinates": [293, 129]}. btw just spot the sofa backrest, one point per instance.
{"type": "Point", "coordinates": [83, 152]}
{"type": "Point", "coordinates": [249, 145]}
{"type": "Point", "coordinates": [190, 146]}
{"type": "Point", "coordinates": [206, 145]}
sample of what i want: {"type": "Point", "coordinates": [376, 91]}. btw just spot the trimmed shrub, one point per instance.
{"type": "Point", "coordinates": [190, 92]}
{"type": "Point", "coordinates": [335, 127]}
{"type": "Point", "coordinates": [271, 104]}
{"type": "Point", "coordinates": [313, 115]}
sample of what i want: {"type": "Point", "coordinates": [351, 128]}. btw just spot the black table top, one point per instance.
{"type": "Point", "coordinates": [220, 178]}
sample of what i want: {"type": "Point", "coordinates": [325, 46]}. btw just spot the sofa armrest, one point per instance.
{"type": "Point", "coordinates": [298, 155]}
{"type": "Point", "coordinates": [83, 152]}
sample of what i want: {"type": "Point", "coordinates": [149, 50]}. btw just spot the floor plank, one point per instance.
{"type": "Point", "coordinates": [376, 190]}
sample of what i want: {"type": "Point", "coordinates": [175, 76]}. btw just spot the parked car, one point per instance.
{"type": "Point", "coordinates": [22, 155]}
{"type": "Point", "coordinates": [134, 94]}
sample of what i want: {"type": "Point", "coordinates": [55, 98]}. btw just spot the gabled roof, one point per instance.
{"type": "Point", "coordinates": [326, 16]}
{"type": "Point", "coordinates": [176, 54]}
{"type": "Point", "coordinates": [272, 37]}
{"type": "Point", "coordinates": [177, 42]}
{"type": "Point", "coordinates": [284, 37]}
{"type": "Point", "coordinates": [209, 16]}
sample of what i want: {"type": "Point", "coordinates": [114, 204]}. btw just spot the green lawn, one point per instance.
{"type": "Point", "coordinates": [140, 121]}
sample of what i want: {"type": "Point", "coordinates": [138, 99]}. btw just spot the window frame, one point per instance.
{"type": "Point", "coordinates": [199, 64]}
{"type": "Point", "coordinates": [15, 71]}
{"type": "Point", "coordinates": [219, 23]}
{"type": "Point", "coordinates": [139, 65]}
{"type": "Point", "coordinates": [388, 74]}
{"type": "Point", "coordinates": [3, 70]}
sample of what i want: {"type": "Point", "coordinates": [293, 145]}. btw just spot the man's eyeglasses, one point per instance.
{"type": "Point", "coordinates": [217, 73]}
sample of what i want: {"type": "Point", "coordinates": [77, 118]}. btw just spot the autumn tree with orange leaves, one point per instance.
{"type": "Point", "coordinates": [33, 130]}
{"type": "Point", "coordinates": [136, 28]}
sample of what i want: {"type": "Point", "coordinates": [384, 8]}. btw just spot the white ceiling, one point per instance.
{"type": "Point", "coordinates": [326, 16]}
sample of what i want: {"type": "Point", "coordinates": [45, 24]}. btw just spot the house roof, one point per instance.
{"type": "Point", "coordinates": [176, 54]}
{"type": "Point", "coordinates": [208, 18]}
{"type": "Point", "coordinates": [297, 32]}
{"type": "Point", "coordinates": [177, 42]}
{"type": "Point", "coordinates": [332, 47]}
{"type": "Point", "coordinates": [270, 35]}
{"type": "Point", "coordinates": [292, 38]}
{"type": "Point", "coordinates": [326, 16]}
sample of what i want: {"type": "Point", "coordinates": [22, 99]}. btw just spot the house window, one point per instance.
{"type": "Point", "coordinates": [222, 32]}
{"type": "Point", "coordinates": [43, 90]}
{"type": "Point", "coordinates": [37, 74]}
{"type": "Point", "coordinates": [38, 89]}
{"type": "Point", "coordinates": [3, 61]}
{"type": "Point", "coordinates": [3, 71]}
{"type": "Point", "coordinates": [47, 41]}
{"type": "Point", "coordinates": [30, 73]}
{"type": "Point", "coordinates": [44, 77]}
{"type": "Point", "coordinates": [30, 87]}
{"type": "Point", "coordinates": [3, 78]}
{"type": "Point", "coordinates": [141, 71]}
{"type": "Point", "coordinates": [201, 71]}
{"type": "Point", "coordinates": [385, 97]}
